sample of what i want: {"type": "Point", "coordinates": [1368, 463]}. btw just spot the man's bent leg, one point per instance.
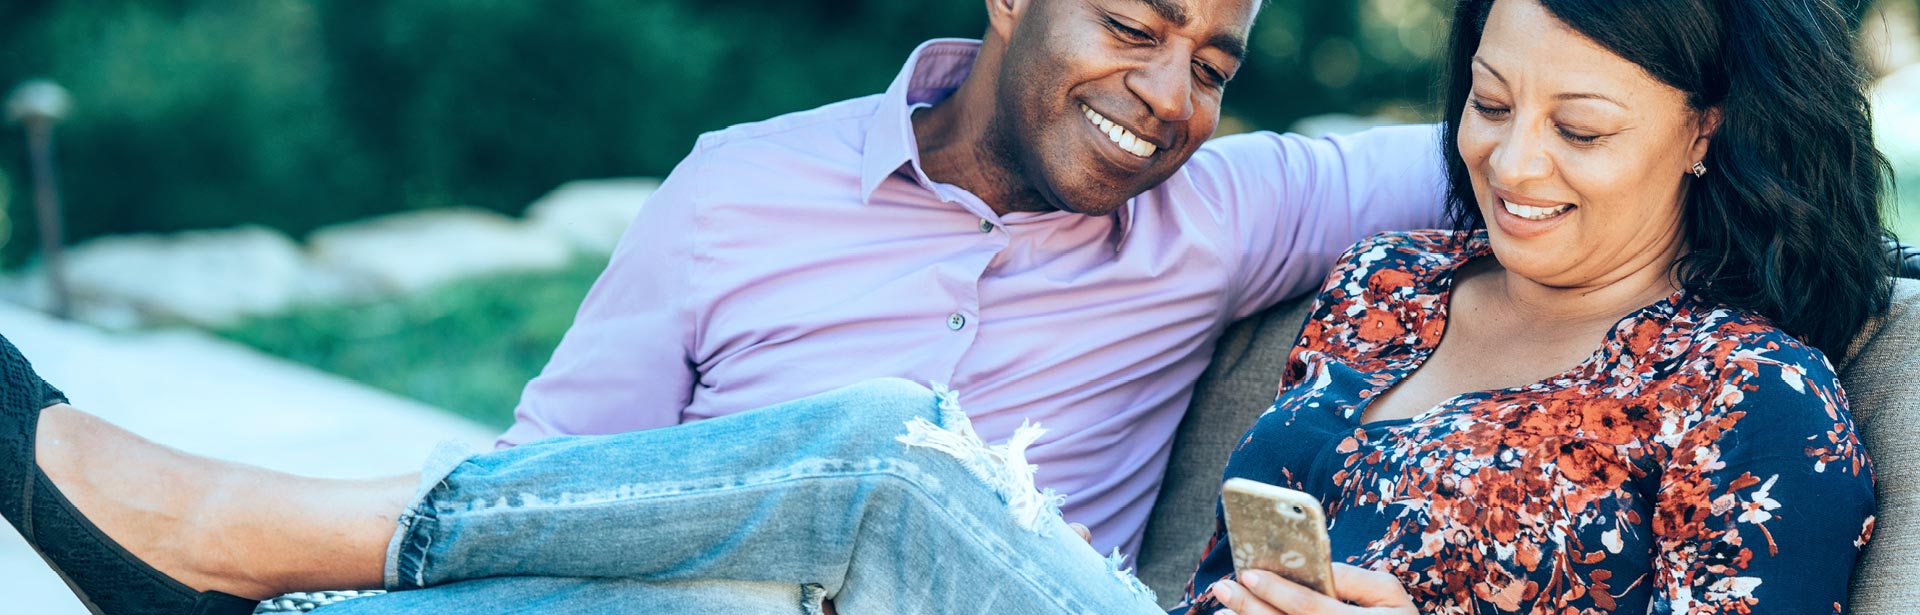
{"type": "Point", "coordinates": [878, 492]}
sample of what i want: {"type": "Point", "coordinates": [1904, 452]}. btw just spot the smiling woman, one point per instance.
{"type": "Point", "coordinates": [1785, 194]}
{"type": "Point", "coordinates": [1606, 391]}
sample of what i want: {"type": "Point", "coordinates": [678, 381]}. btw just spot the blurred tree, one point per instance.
{"type": "Point", "coordinates": [301, 113]}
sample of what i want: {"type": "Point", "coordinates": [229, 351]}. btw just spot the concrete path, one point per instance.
{"type": "Point", "coordinates": [208, 396]}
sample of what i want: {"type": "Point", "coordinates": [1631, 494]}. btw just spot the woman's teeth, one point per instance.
{"type": "Point", "coordinates": [1134, 145]}
{"type": "Point", "coordinates": [1534, 213]}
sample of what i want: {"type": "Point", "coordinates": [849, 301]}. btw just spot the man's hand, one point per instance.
{"type": "Point", "coordinates": [1362, 592]}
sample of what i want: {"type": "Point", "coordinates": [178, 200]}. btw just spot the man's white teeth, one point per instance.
{"type": "Point", "coordinates": [1119, 134]}
{"type": "Point", "coordinates": [1534, 213]}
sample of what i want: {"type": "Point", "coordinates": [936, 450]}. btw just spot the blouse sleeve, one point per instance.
{"type": "Point", "coordinates": [1767, 498]}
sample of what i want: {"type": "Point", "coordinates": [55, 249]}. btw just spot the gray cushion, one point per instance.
{"type": "Point", "coordinates": [1882, 379]}
{"type": "Point", "coordinates": [1239, 385]}
{"type": "Point", "coordinates": [1881, 375]}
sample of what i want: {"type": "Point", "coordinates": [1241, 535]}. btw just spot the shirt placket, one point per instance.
{"type": "Point", "coordinates": [990, 239]}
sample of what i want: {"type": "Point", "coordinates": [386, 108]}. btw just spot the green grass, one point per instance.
{"type": "Point", "coordinates": [467, 347]}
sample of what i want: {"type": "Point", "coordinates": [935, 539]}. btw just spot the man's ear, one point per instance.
{"type": "Point", "coordinates": [1003, 15]}
{"type": "Point", "coordinates": [1709, 125]}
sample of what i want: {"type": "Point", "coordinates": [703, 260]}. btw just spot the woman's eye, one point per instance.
{"type": "Point", "coordinates": [1578, 138]}
{"type": "Point", "coordinates": [1492, 113]}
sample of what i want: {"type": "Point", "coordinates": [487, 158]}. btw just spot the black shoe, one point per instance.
{"type": "Point", "coordinates": [106, 578]}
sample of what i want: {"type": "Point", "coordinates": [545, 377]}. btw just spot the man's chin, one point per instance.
{"type": "Point", "coordinates": [1097, 205]}
{"type": "Point", "coordinates": [1097, 210]}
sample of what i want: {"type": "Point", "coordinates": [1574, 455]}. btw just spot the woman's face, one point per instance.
{"type": "Point", "coordinates": [1578, 157]}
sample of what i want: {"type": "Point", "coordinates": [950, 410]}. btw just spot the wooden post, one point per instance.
{"type": "Point", "coordinates": [38, 105]}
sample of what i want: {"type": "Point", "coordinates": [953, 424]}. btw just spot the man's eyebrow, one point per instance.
{"type": "Point", "coordinates": [1170, 10]}
{"type": "Point", "coordinates": [1233, 45]}
{"type": "Point", "coordinates": [1176, 11]}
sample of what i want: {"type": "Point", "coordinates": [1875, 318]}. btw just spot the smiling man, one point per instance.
{"type": "Point", "coordinates": [1037, 220]}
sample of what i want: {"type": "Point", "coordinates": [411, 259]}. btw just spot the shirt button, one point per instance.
{"type": "Point", "coordinates": [986, 226]}
{"type": "Point", "coordinates": [956, 321]}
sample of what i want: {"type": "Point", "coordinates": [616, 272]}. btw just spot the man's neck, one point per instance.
{"type": "Point", "coordinates": [956, 142]}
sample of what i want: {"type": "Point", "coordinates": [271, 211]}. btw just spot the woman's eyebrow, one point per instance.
{"type": "Point", "coordinates": [1589, 96]}
{"type": "Point", "coordinates": [1562, 96]}
{"type": "Point", "coordinates": [1489, 68]}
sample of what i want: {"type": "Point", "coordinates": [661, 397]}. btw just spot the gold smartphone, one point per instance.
{"type": "Point", "coordinates": [1278, 530]}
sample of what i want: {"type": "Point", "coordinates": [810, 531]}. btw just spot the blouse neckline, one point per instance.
{"type": "Point", "coordinates": [1471, 246]}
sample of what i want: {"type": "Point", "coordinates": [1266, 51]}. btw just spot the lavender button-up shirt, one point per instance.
{"type": "Point", "coordinates": [800, 254]}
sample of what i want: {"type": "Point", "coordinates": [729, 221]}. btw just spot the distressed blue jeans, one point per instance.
{"type": "Point", "coordinates": [878, 496]}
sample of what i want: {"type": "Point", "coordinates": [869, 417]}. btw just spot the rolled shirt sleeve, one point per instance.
{"type": "Point", "coordinates": [624, 364]}
{"type": "Point", "coordinates": [1294, 203]}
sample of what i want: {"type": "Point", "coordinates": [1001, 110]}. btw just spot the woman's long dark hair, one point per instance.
{"type": "Point", "coordinates": [1786, 223]}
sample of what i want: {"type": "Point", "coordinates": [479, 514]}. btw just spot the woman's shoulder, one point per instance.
{"type": "Point", "coordinates": [1406, 258]}
{"type": "Point", "coordinates": [1394, 246]}
{"type": "Point", "coordinates": [1751, 369]}
{"type": "Point", "coordinates": [1736, 344]}
{"type": "Point", "coordinates": [1386, 296]}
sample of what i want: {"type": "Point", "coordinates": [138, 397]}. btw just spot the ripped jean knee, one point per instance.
{"type": "Point", "coordinates": [1003, 467]}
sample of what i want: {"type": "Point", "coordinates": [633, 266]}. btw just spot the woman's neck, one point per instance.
{"type": "Point", "coordinates": [1640, 282]}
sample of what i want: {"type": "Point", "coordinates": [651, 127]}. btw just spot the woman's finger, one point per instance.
{"type": "Point", "coordinates": [1369, 588]}
{"type": "Point", "coordinates": [1238, 599]}
{"type": "Point", "coordinates": [1085, 534]}
{"type": "Point", "coordinates": [1284, 596]}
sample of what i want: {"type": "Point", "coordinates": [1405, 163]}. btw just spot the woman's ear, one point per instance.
{"type": "Point", "coordinates": [1709, 124]}
{"type": "Point", "coordinates": [1003, 15]}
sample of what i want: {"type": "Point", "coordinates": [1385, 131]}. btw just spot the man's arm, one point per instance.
{"type": "Point", "coordinates": [624, 364]}
{"type": "Point", "coordinates": [1294, 203]}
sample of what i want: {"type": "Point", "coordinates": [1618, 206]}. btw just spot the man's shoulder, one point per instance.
{"type": "Point", "coordinates": [824, 130]}
{"type": "Point", "coordinates": [755, 169]}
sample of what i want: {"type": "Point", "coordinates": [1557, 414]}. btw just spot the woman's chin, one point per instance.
{"type": "Point", "coordinates": [1538, 262]}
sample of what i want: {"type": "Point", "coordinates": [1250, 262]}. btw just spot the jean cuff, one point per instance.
{"type": "Point", "coordinates": [406, 553]}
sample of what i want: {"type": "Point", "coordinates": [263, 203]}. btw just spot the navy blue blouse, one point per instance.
{"type": "Point", "coordinates": [1701, 461]}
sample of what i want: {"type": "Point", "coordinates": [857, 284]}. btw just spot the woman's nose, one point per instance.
{"type": "Point", "coordinates": [1520, 156]}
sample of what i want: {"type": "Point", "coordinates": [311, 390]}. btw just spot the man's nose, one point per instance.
{"type": "Point", "coordinates": [1166, 85]}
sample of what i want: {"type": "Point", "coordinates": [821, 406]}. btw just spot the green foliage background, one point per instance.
{"type": "Point", "coordinates": [301, 113]}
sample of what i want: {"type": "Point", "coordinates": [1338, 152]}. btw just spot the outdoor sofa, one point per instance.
{"type": "Point", "coordinates": [1881, 374]}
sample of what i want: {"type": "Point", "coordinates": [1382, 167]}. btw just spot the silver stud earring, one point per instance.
{"type": "Point", "coordinates": [1699, 169]}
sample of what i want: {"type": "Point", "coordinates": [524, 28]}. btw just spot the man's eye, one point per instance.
{"type": "Point", "coordinates": [1211, 75]}
{"type": "Point", "coordinates": [1131, 34]}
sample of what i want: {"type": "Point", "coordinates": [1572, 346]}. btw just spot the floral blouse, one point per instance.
{"type": "Point", "coordinates": [1701, 461]}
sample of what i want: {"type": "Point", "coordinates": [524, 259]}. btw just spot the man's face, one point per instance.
{"type": "Point", "coordinates": [1101, 100]}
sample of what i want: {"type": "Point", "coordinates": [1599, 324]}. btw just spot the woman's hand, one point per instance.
{"type": "Point", "coordinates": [1362, 592]}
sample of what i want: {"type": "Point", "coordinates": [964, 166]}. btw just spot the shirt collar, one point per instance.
{"type": "Point", "coordinates": [932, 73]}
